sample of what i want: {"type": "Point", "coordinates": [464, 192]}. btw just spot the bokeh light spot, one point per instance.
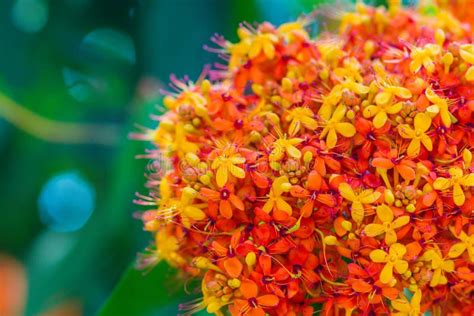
{"type": "Point", "coordinates": [66, 202]}
{"type": "Point", "coordinates": [30, 16]}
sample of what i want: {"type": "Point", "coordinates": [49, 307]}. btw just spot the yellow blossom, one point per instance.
{"type": "Point", "coordinates": [392, 259]}
{"type": "Point", "coordinates": [417, 135]}
{"type": "Point", "coordinates": [457, 181]}
{"type": "Point", "coordinates": [467, 54]}
{"type": "Point", "coordinates": [263, 42]}
{"type": "Point", "coordinates": [184, 207]}
{"type": "Point", "coordinates": [440, 106]}
{"type": "Point", "coordinates": [175, 142]}
{"type": "Point", "coordinates": [301, 116]}
{"type": "Point", "coordinates": [467, 242]}
{"type": "Point", "coordinates": [388, 226]}
{"type": "Point", "coordinates": [424, 57]}
{"type": "Point", "coordinates": [283, 145]}
{"type": "Point", "coordinates": [439, 265]}
{"type": "Point", "coordinates": [407, 308]}
{"type": "Point", "coordinates": [227, 163]}
{"type": "Point", "coordinates": [358, 200]}
{"type": "Point", "coordinates": [275, 199]}
{"type": "Point", "coordinates": [335, 126]}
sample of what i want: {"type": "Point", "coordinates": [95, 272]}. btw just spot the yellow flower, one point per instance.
{"type": "Point", "coordinates": [263, 42]}
{"type": "Point", "coordinates": [467, 242]}
{"type": "Point", "coordinates": [388, 226]}
{"type": "Point", "coordinates": [225, 164]}
{"type": "Point", "coordinates": [418, 135]}
{"type": "Point", "coordinates": [457, 181]}
{"type": "Point", "coordinates": [439, 265]}
{"type": "Point", "coordinates": [167, 248]}
{"type": "Point", "coordinates": [330, 101]}
{"type": "Point", "coordinates": [384, 105]}
{"type": "Point", "coordinates": [392, 259]}
{"type": "Point", "coordinates": [301, 116]}
{"type": "Point", "coordinates": [350, 70]}
{"type": "Point", "coordinates": [358, 200]}
{"type": "Point", "coordinates": [183, 207]}
{"type": "Point", "coordinates": [440, 106]}
{"type": "Point", "coordinates": [172, 139]}
{"type": "Point", "coordinates": [406, 308]}
{"type": "Point", "coordinates": [282, 145]}
{"type": "Point", "coordinates": [424, 57]}
{"type": "Point", "coordinates": [275, 199]}
{"type": "Point", "coordinates": [467, 53]}
{"type": "Point", "coordinates": [335, 126]}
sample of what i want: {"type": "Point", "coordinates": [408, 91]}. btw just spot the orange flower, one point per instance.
{"type": "Point", "coordinates": [253, 304]}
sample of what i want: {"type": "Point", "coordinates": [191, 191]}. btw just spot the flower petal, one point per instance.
{"type": "Point", "coordinates": [372, 230]}
{"type": "Point", "coordinates": [385, 213]}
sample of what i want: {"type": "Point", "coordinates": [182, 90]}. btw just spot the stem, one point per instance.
{"type": "Point", "coordinates": [54, 131]}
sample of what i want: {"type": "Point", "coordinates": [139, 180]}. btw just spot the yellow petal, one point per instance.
{"type": "Point", "coordinates": [466, 53]}
{"type": "Point", "coordinates": [415, 65]}
{"type": "Point", "coordinates": [378, 255]}
{"type": "Point", "coordinates": [357, 212]}
{"type": "Point", "coordinates": [268, 206]}
{"type": "Point", "coordinates": [401, 221]}
{"type": "Point", "coordinates": [387, 273]}
{"type": "Point", "coordinates": [448, 265]}
{"type": "Point", "coordinates": [390, 237]}
{"type": "Point", "coordinates": [380, 119]}
{"type": "Point", "coordinates": [292, 151]}
{"type": "Point", "coordinates": [414, 148]}
{"type": "Point", "coordinates": [255, 49]}
{"type": "Point", "coordinates": [346, 191]}
{"type": "Point", "coordinates": [426, 141]}
{"type": "Point", "coordinates": [416, 299]}
{"type": "Point", "coordinates": [282, 205]}
{"type": "Point", "coordinates": [269, 49]}
{"type": "Point", "coordinates": [458, 195]}
{"type": "Point", "coordinates": [372, 230]}
{"type": "Point", "coordinates": [331, 140]}
{"type": "Point", "coordinates": [442, 184]}
{"type": "Point", "coordinates": [383, 98]}
{"type": "Point", "coordinates": [467, 180]}
{"type": "Point", "coordinates": [221, 176]}
{"type": "Point", "coordinates": [370, 111]}
{"type": "Point", "coordinates": [401, 266]}
{"type": "Point", "coordinates": [369, 196]}
{"type": "Point", "coordinates": [384, 213]}
{"type": "Point", "coordinates": [402, 92]}
{"type": "Point", "coordinates": [402, 306]}
{"type": "Point", "coordinates": [406, 131]}
{"type": "Point", "coordinates": [395, 108]}
{"type": "Point", "coordinates": [422, 122]}
{"type": "Point", "coordinates": [470, 74]}
{"type": "Point", "coordinates": [237, 171]}
{"type": "Point", "coordinates": [446, 118]}
{"type": "Point", "coordinates": [339, 113]}
{"type": "Point", "coordinates": [236, 160]}
{"type": "Point", "coordinates": [345, 129]}
{"type": "Point", "coordinates": [194, 213]}
{"type": "Point", "coordinates": [397, 250]}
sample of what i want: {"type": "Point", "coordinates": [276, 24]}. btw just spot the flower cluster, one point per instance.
{"type": "Point", "coordinates": [328, 173]}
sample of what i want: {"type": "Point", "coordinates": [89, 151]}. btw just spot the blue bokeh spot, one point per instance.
{"type": "Point", "coordinates": [66, 202]}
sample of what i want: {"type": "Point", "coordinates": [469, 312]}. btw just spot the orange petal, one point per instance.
{"type": "Point", "coordinates": [268, 300]}
{"type": "Point", "coordinates": [234, 199]}
{"type": "Point", "coordinates": [225, 209]}
{"type": "Point", "coordinates": [383, 163]}
{"type": "Point", "coordinates": [314, 180]}
{"type": "Point", "coordinates": [361, 286]}
{"type": "Point", "coordinates": [299, 191]}
{"type": "Point", "coordinates": [248, 288]}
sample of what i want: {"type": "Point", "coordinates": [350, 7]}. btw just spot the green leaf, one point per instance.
{"type": "Point", "coordinates": [158, 292]}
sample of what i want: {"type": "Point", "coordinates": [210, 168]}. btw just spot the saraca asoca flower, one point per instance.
{"type": "Point", "coordinates": [333, 169]}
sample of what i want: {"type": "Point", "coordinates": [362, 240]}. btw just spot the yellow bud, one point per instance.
{"type": "Point", "coordinates": [213, 307]}
{"type": "Point", "coordinates": [369, 48]}
{"type": "Point", "coordinates": [205, 179]}
{"type": "Point", "coordinates": [410, 208]}
{"type": "Point", "coordinates": [350, 114]}
{"type": "Point", "coordinates": [287, 85]}
{"type": "Point", "coordinates": [202, 166]}
{"type": "Point", "coordinates": [255, 137]}
{"type": "Point", "coordinates": [308, 157]}
{"type": "Point", "coordinates": [330, 240]}
{"type": "Point", "coordinates": [251, 259]}
{"type": "Point", "coordinates": [189, 193]}
{"type": "Point", "coordinates": [234, 283]}
{"type": "Point", "coordinates": [447, 60]}
{"type": "Point", "coordinates": [206, 86]}
{"type": "Point", "coordinates": [202, 263]}
{"type": "Point", "coordinates": [440, 37]}
{"type": "Point", "coordinates": [351, 236]}
{"type": "Point", "coordinates": [413, 287]}
{"type": "Point", "coordinates": [285, 187]}
{"type": "Point", "coordinates": [346, 225]}
{"type": "Point", "coordinates": [200, 110]}
{"type": "Point", "coordinates": [407, 274]}
{"type": "Point", "coordinates": [276, 99]}
{"type": "Point", "coordinates": [189, 128]}
{"type": "Point", "coordinates": [275, 165]}
{"type": "Point", "coordinates": [389, 197]}
{"type": "Point", "coordinates": [467, 157]}
{"type": "Point", "coordinates": [192, 159]}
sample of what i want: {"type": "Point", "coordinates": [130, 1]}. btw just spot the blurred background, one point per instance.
{"type": "Point", "coordinates": [76, 76]}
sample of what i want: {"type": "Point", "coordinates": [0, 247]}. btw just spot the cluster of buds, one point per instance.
{"type": "Point", "coordinates": [327, 173]}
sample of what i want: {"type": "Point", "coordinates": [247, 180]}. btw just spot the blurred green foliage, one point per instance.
{"type": "Point", "coordinates": [98, 62]}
